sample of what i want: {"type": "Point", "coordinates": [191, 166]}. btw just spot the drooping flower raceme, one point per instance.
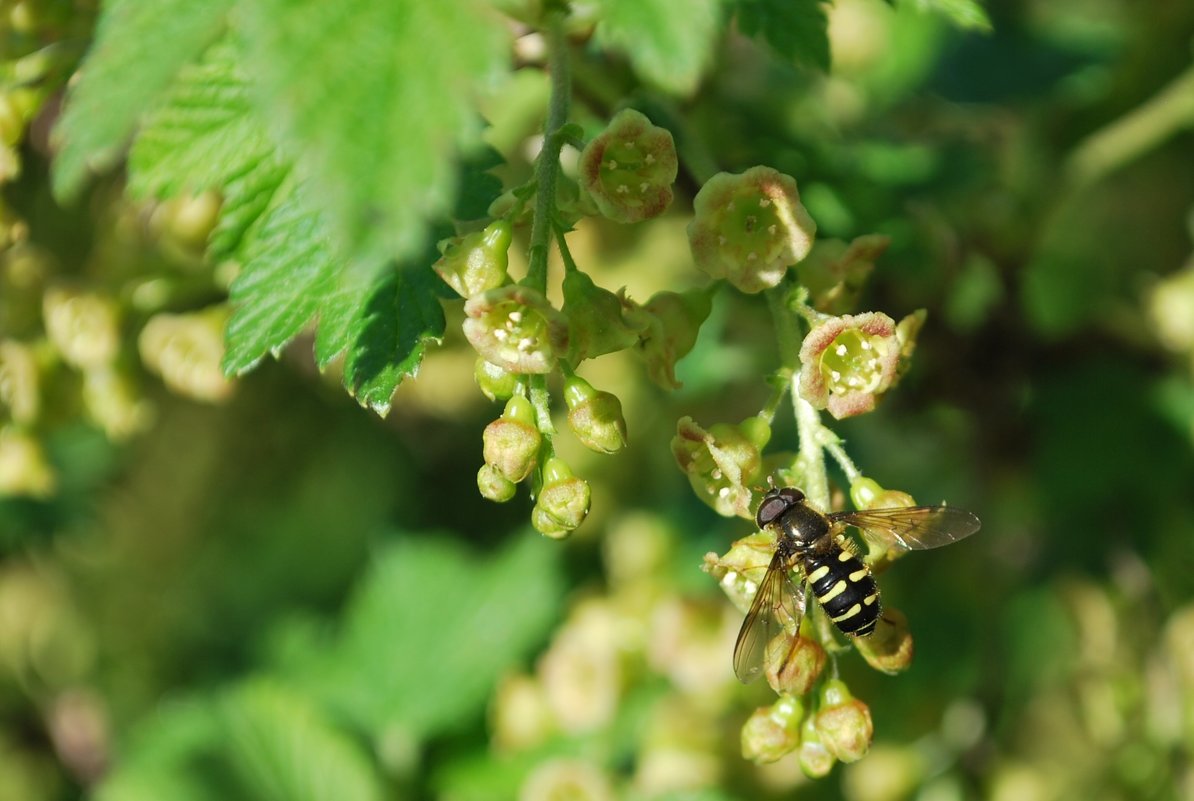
{"type": "Point", "coordinates": [750, 228]}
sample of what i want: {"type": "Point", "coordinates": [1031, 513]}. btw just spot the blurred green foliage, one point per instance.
{"type": "Point", "coordinates": [283, 597]}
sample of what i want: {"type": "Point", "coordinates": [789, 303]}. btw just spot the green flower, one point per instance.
{"type": "Point", "coordinates": [793, 663]}
{"type": "Point", "coordinates": [668, 325]}
{"type": "Point", "coordinates": [83, 326]}
{"type": "Point", "coordinates": [595, 319]}
{"type": "Point", "coordinates": [628, 169]}
{"type": "Point", "coordinates": [772, 731]}
{"type": "Point", "coordinates": [723, 463]}
{"type": "Point", "coordinates": [476, 262]}
{"type": "Point", "coordinates": [595, 417]}
{"type": "Point", "coordinates": [848, 362]}
{"type": "Point", "coordinates": [511, 442]}
{"type": "Point", "coordinates": [843, 722]}
{"type": "Point", "coordinates": [563, 502]}
{"type": "Point", "coordinates": [516, 328]}
{"type": "Point", "coordinates": [835, 273]}
{"type": "Point", "coordinates": [186, 350]}
{"type": "Point", "coordinates": [750, 228]}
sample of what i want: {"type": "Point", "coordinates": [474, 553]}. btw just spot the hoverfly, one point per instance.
{"type": "Point", "coordinates": [811, 542]}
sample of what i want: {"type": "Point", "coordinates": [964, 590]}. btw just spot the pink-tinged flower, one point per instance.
{"type": "Point", "coordinates": [516, 328]}
{"type": "Point", "coordinates": [848, 362]}
{"type": "Point", "coordinates": [750, 228]}
{"type": "Point", "coordinates": [844, 722]}
{"type": "Point", "coordinates": [772, 731]}
{"type": "Point", "coordinates": [629, 168]}
{"type": "Point", "coordinates": [723, 463]}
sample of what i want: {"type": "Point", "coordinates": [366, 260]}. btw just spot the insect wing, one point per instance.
{"type": "Point", "coordinates": [778, 607]}
{"type": "Point", "coordinates": [912, 528]}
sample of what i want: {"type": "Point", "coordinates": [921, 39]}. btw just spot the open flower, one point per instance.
{"type": "Point", "coordinates": [848, 362]}
{"type": "Point", "coordinates": [750, 228]}
{"type": "Point", "coordinates": [628, 169]}
{"type": "Point", "coordinates": [516, 328]}
{"type": "Point", "coordinates": [722, 463]}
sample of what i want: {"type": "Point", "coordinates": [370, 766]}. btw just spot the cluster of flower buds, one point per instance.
{"type": "Point", "coordinates": [833, 726]}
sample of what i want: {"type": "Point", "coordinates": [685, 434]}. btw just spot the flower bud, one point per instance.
{"type": "Point", "coordinates": [516, 328]}
{"type": "Point", "coordinates": [496, 383]}
{"type": "Point", "coordinates": [668, 324]}
{"type": "Point", "coordinates": [721, 464]}
{"type": "Point", "coordinates": [114, 403]}
{"type": "Point", "coordinates": [594, 417]}
{"type": "Point", "coordinates": [186, 351]}
{"type": "Point", "coordinates": [848, 363]}
{"type": "Point", "coordinates": [772, 731]}
{"type": "Point", "coordinates": [793, 663]}
{"type": "Point", "coordinates": [835, 273]}
{"type": "Point", "coordinates": [815, 759]}
{"type": "Point", "coordinates": [750, 228]}
{"type": "Point", "coordinates": [20, 394]}
{"type": "Point", "coordinates": [511, 443]}
{"type": "Point", "coordinates": [595, 322]}
{"type": "Point", "coordinates": [844, 722]}
{"type": "Point", "coordinates": [563, 501]}
{"type": "Point", "coordinates": [628, 169]}
{"type": "Point", "coordinates": [82, 325]}
{"type": "Point", "coordinates": [493, 485]}
{"type": "Point", "coordinates": [889, 649]}
{"type": "Point", "coordinates": [907, 331]}
{"type": "Point", "coordinates": [566, 778]}
{"type": "Point", "coordinates": [24, 468]}
{"type": "Point", "coordinates": [476, 262]}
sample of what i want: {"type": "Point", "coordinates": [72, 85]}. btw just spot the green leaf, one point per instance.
{"type": "Point", "coordinates": [203, 135]}
{"type": "Point", "coordinates": [284, 750]}
{"type": "Point", "coordinates": [287, 273]}
{"type": "Point", "coordinates": [965, 14]}
{"type": "Point", "coordinates": [669, 42]}
{"type": "Point", "coordinates": [433, 628]}
{"type": "Point", "coordinates": [374, 98]}
{"type": "Point", "coordinates": [797, 30]}
{"type": "Point", "coordinates": [478, 187]}
{"type": "Point", "coordinates": [390, 335]}
{"type": "Point", "coordinates": [138, 49]}
{"type": "Point", "coordinates": [248, 197]}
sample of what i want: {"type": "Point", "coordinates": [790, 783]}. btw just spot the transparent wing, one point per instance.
{"type": "Point", "coordinates": [912, 528]}
{"type": "Point", "coordinates": [778, 607]}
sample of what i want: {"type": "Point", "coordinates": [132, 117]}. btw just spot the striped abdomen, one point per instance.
{"type": "Point", "coordinates": [845, 588]}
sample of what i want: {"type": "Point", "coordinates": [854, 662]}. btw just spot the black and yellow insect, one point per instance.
{"type": "Point", "coordinates": [811, 543]}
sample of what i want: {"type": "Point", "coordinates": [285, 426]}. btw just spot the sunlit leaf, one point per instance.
{"type": "Point", "coordinates": [798, 30]}
{"type": "Point", "coordinates": [669, 42]}
{"type": "Point", "coordinates": [139, 48]}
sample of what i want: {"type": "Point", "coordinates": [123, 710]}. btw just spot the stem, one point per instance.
{"type": "Point", "coordinates": [812, 454]}
{"type": "Point", "coordinates": [834, 446]}
{"type": "Point", "coordinates": [547, 167]}
{"type": "Point", "coordinates": [540, 398]}
{"type": "Point", "coordinates": [787, 327]}
{"type": "Point", "coordinates": [565, 253]}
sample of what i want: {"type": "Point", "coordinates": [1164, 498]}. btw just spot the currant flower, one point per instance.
{"type": "Point", "coordinates": [773, 731]}
{"type": "Point", "coordinates": [83, 326]}
{"type": "Point", "coordinates": [848, 362]}
{"type": "Point", "coordinates": [595, 417]}
{"type": "Point", "coordinates": [750, 228]}
{"type": "Point", "coordinates": [476, 262]}
{"type": "Point", "coordinates": [835, 273]}
{"type": "Point", "coordinates": [628, 169]}
{"type": "Point", "coordinates": [20, 393]}
{"type": "Point", "coordinates": [186, 350]}
{"type": "Point", "coordinates": [516, 328]}
{"type": "Point", "coordinates": [723, 463]}
{"type": "Point", "coordinates": [563, 502]}
{"type": "Point", "coordinates": [793, 663]}
{"type": "Point", "coordinates": [843, 722]}
{"type": "Point", "coordinates": [511, 443]}
{"type": "Point", "coordinates": [595, 321]}
{"type": "Point", "coordinates": [668, 324]}
{"type": "Point", "coordinates": [890, 648]}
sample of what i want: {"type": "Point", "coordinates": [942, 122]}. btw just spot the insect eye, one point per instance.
{"type": "Point", "coordinates": [770, 509]}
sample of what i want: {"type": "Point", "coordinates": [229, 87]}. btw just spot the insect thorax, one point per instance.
{"type": "Point", "coordinates": [804, 526]}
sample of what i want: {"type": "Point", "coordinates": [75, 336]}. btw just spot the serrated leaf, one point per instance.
{"type": "Point", "coordinates": [965, 14]}
{"type": "Point", "coordinates": [288, 271]}
{"type": "Point", "coordinates": [139, 47]}
{"type": "Point", "coordinates": [374, 97]}
{"type": "Point", "coordinates": [248, 197]}
{"type": "Point", "coordinates": [669, 42]}
{"type": "Point", "coordinates": [433, 628]}
{"type": "Point", "coordinates": [797, 30]}
{"type": "Point", "coordinates": [284, 750]}
{"type": "Point", "coordinates": [393, 330]}
{"type": "Point", "coordinates": [203, 134]}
